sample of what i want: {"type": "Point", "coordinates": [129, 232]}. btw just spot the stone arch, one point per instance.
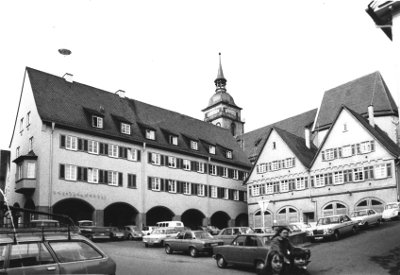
{"type": "Point", "coordinates": [120, 214]}
{"type": "Point", "coordinates": [76, 209]}
{"type": "Point", "coordinates": [158, 214]}
{"type": "Point", "coordinates": [334, 208]}
{"type": "Point", "coordinates": [370, 203]}
{"type": "Point", "coordinates": [258, 220]}
{"type": "Point", "coordinates": [220, 219]}
{"type": "Point", "coordinates": [242, 220]}
{"type": "Point", "coordinates": [192, 218]}
{"type": "Point", "coordinates": [287, 214]}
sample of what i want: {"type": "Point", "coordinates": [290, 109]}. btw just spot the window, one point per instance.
{"type": "Point", "coordinates": [172, 162]}
{"type": "Point", "coordinates": [171, 186]}
{"type": "Point", "coordinates": [256, 190]}
{"type": "Point", "coordinates": [275, 165]}
{"type": "Point", "coordinates": [150, 134]}
{"type": "Point", "coordinates": [186, 164]}
{"type": "Point", "coordinates": [93, 175]}
{"type": "Point", "coordinates": [131, 181]}
{"type": "Point", "coordinates": [17, 151]}
{"type": "Point", "coordinates": [366, 147]}
{"type": "Point", "coordinates": [93, 147]}
{"type": "Point", "coordinates": [73, 251]}
{"type": "Point", "coordinates": [113, 150]}
{"type": "Point", "coordinates": [289, 163]}
{"type": "Point", "coordinates": [125, 128]}
{"type": "Point", "coordinates": [228, 154]}
{"type": "Point", "coordinates": [29, 254]}
{"type": "Point", "coordinates": [274, 145]}
{"type": "Point", "coordinates": [31, 170]}
{"type": "Point", "coordinates": [348, 175]}
{"type": "Point", "coordinates": [226, 193]}
{"type": "Point", "coordinates": [300, 183]}
{"type": "Point", "coordinates": [155, 184]}
{"type": "Point", "coordinates": [97, 122]}
{"type": "Point", "coordinates": [70, 172]}
{"type": "Point", "coordinates": [200, 190]}
{"type": "Point", "coordinates": [155, 159]}
{"type": "Point", "coordinates": [211, 149]}
{"type": "Point", "coordinates": [173, 140]}
{"type": "Point", "coordinates": [319, 180]}
{"type": "Point", "coordinates": [329, 154]}
{"type": "Point", "coordinates": [132, 154]}
{"type": "Point", "coordinates": [346, 151]}
{"type": "Point", "coordinates": [284, 186]}
{"type": "Point", "coordinates": [269, 188]}
{"type": "Point", "coordinates": [30, 146]}
{"type": "Point", "coordinates": [200, 168]}
{"type": "Point", "coordinates": [112, 178]}
{"type": "Point", "coordinates": [236, 195]}
{"type": "Point", "coordinates": [28, 119]}
{"type": "Point", "coordinates": [186, 188]}
{"type": "Point", "coordinates": [213, 170]}
{"type": "Point", "coordinates": [71, 143]}
{"type": "Point", "coordinates": [380, 171]}
{"type": "Point", "coordinates": [235, 174]}
{"type": "Point", "coordinates": [194, 145]}
{"type": "Point", "coordinates": [262, 168]}
{"type": "Point", "coordinates": [338, 177]}
{"type": "Point", "coordinates": [224, 172]}
{"type": "Point", "coordinates": [214, 192]}
{"type": "Point", "coordinates": [19, 171]}
{"type": "Point", "coordinates": [358, 174]}
{"type": "Point", "coordinates": [21, 125]}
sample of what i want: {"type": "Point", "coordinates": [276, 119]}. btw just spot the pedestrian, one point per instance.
{"type": "Point", "coordinates": [274, 264]}
{"type": "Point", "coordinates": [299, 260]}
{"type": "Point", "coordinates": [280, 241]}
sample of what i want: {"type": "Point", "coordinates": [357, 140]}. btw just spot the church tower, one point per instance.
{"type": "Point", "coordinates": [222, 110]}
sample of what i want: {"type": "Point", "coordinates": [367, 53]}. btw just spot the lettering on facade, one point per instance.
{"type": "Point", "coordinates": [79, 195]}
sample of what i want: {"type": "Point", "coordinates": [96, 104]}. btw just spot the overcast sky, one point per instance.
{"type": "Point", "coordinates": [278, 57]}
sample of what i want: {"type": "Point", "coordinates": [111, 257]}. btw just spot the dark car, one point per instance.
{"type": "Point", "coordinates": [52, 253]}
{"type": "Point", "coordinates": [117, 233]}
{"type": "Point", "coordinates": [194, 242]}
{"type": "Point", "coordinates": [245, 249]}
{"type": "Point", "coordinates": [93, 232]}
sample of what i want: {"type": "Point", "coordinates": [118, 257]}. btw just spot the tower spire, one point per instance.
{"type": "Point", "coordinates": [220, 81]}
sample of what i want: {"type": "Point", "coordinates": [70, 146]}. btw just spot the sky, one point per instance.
{"type": "Point", "coordinates": [279, 57]}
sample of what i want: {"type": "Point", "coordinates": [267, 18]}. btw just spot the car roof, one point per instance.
{"type": "Point", "coordinates": [44, 220]}
{"type": "Point", "coordinates": [37, 237]}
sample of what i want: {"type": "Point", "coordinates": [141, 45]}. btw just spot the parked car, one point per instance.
{"type": "Point", "coordinates": [132, 232]}
{"type": "Point", "coordinates": [146, 230]}
{"type": "Point", "coordinates": [158, 236]}
{"type": "Point", "coordinates": [93, 232]}
{"type": "Point", "coordinates": [292, 227]}
{"type": "Point", "coordinates": [117, 233]}
{"type": "Point", "coordinates": [245, 249]}
{"type": "Point", "coordinates": [52, 253]}
{"type": "Point", "coordinates": [366, 217]}
{"type": "Point", "coordinates": [263, 230]}
{"type": "Point", "coordinates": [391, 211]}
{"type": "Point", "coordinates": [213, 230]}
{"type": "Point", "coordinates": [192, 241]}
{"type": "Point", "coordinates": [333, 227]}
{"type": "Point", "coordinates": [44, 223]}
{"type": "Point", "coordinates": [303, 226]}
{"type": "Point", "coordinates": [229, 233]}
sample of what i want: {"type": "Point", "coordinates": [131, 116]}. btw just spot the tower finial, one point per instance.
{"type": "Point", "coordinates": [220, 82]}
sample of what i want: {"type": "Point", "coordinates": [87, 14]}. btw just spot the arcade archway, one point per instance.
{"type": "Point", "coordinates": [158, 214]}
{"type": "Point", "coordinates": [220, 219]}
{"type": "Point", "coordinates": [192, 218]}
{"type": "Point", "coordinates": [120, 214]}
{"type": "Point", "coordinates": [76, 209]}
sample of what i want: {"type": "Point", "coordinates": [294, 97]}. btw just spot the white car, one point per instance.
{"type": "Point", "coordinates": [302, 225]}
{"type": "Point", "coordinates": [392, 211]}
{"type": "Point", "coordinates": [333, 227]}
{"type": "Point", "coordinates": [366, 217]}
{"type": "Point", "coordinates": [158, 236]}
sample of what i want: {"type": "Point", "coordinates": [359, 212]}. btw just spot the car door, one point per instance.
{"type": "Point", "coordinates": [347, 223]}
{"type": "Point", "coordinates": [31, 258]}
{"type": "Point", "coordinates": [226, 235]}
{"type": "Point", "coordinates": [187, 240]}
{"type": "Point", "coordinates": [177, 242]}
{"type": "Point", "coordinates": [235, 253]}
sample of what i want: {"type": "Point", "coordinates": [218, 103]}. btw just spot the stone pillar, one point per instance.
{"type": "Point", "coordinates": [231, 222]}
{"type": "Point", "coordinates": [141, 220]}
{"type": "Point", "coordinates": [176, 218]}
{"type": "Point", "coordinates": [45, 209]}
{"type": "Point", "coordinates": [206, 221]}
{"type": "Point", "coordinates": [98, 217]}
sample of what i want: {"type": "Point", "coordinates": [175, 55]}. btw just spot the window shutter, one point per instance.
{"type": "Point", "coordinates": [323, 155]}
{"type": "Point", "coordinates": [358, 148]}
{"type": "Point", "coordinates": [149, 157]}
{"type": "Point", "coordinates": [121, 151]}
{"type": "Point", "coordinates": [230, 173]}
{"type": "Point", "coordinates": [101, 176]}
{"type": "Point", "coordinates": [162, 182]}
{"type": "Point", "coordinates": [106, 149]}
{"type": "Point", "coordinates": [105, 176]}
{"type": "Point", "coordinates": [205, 168]}
{"type": "Point", "coordinates": [241, 195]}
{"type": "Point", "coordinates": [340, 152]}
{"type": "Point", "coordinates": [62, 141]}
{"type": "Point", "coordinates": [120, 179]}
{"type": "Point", "coordinates": [306, 182]}
{"type": "Point", "coordinates": [133, 182]}
{"type": "Point", "coordinates": [79, 176]}
{"type": "Point", "coordinates": [372, 145]}
{"type": "Point", "coordinates": [335, 153]}
{"type": "Point", "coordinates": [194, 189]}
{"type": "Point", "coordinates": [353, 149]}
{"type": "Point", "coordinates": [209, 168]}
{"type": "Point", "coordinates": [230, 193]}
{"type": "Point", "coordinates": [149, 183]}
{"type": "Point", "coordinates": [205, 190]}
{"type": "Point", "coordinates": [85, 174]}
{"type": "Point", "coordinates": [62, 171]}
{"type": "Point", "coordinates": [193, 165]}
{"type": "Point", "coordinates": [241, 175]}
{"type": "Point", "coordinates": [312, 181]}
{"type": "Point", "coordinates": [138, 157]}
{"type": "Point", "coordinates": [101, 148]}
{"type": "Point", "coordinates": [350, 175]}
{"type": "Point", "coordinates": [294, 162]}
{"type": "Point", "coordinates": [389, 170]}
{"type": "Point", "coordinates": [163, 160]}
{"type": "Point", "coordinates": [219, 171]}
{"type": "Point", "coordinates": [85, 145]}
{"type": "Point", "coordinates": [209, 190]}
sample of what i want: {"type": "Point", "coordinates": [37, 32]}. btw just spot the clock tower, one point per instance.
{"type": "Point", "coordinates": [222, 110]}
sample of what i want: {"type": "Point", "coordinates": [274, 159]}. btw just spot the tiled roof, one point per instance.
{"type": "Point", "coordinates": [357, 95]}
{"type": "Point", "coordinates": [68, 104]}
{"type": "Point", "coordinates": [298, 146]}
{"type": "Point", "coordinates": [253, 141]}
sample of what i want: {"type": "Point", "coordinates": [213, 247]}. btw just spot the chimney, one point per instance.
{"type": "Point", "coordinates": [121, 93]}
{"type": "Point", "coordinates": [371, 115]}
{"type": "Point", "coordinates": [68, 77]}
{"type": "Point", "coordinates": [307, 137]}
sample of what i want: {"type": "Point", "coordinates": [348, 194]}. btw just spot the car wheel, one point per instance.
{"type": "Point", "coordinates": [260, 265]}
{"type": "Point", "coordinates": [336, 236]}
{"type": "Point", "coordinates": [162, 243]}
{"type": "Point", "coordinates": [146, 245]}
{"type": "Point", "coordinates": [193, 252]}
{"type": "Point", "coordinates": [378, 222]}
{"type": "Point", "coordinates": [168, 249]}
{"type": "Point", "coordinates": [366, 224]}
{"type": "Point", "coordinates": [130, 237]}
{"type": "Point", "coordinates": [221, 263]}
{"type": "Point", "coordinates": [354, 230]}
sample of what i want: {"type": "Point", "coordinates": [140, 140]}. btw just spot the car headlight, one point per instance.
{"type": "Point", "coordinates": [328, 231]}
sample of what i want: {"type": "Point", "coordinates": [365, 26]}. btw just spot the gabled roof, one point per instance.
{"type": "Point", "coordinates": [68, 104]}
{"type": "Point", "coordinates": [357, 95]}
{"type": "Point", "coordinates": [377, 132]}
{"type": "Point", "coordinates": [253, 141]}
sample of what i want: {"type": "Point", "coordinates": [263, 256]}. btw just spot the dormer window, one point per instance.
{"type": "Point", "coordinates": [211, 149]}
{"type": "Point", "coordinates": [173, 140]}
{"type": "Point", "coordinates": [274, 145]}
{"type": "Point", "coordinates": [125, 128]}
{"type": "Point", "coordinates": [228, 154]}
{"type": "Point", "coordinates": [97, 122]}
{"type": "Point", "coordinates": [194, 145]}
{"type": "Point", "coordinates": [150, 134]}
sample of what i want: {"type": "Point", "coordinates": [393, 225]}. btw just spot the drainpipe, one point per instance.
{"type": "Point", "coordinates": [208, 189]}
{"type": "Point", "coordinates": [50, 202]}
{"type": "Point", "coordinates": [144, 161]}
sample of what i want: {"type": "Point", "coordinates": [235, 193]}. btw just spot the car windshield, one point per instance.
{"type": "Point", "coordinates": [359, 213]}
{"type": "Point", "coordinates": [85, 223]}
{"type": "Point", "coordinates": [328, 220]}
{"type": "Point", "coordinates": [391, 206]}
{"type": "Point", "coordinates": [203, 235]}
{"type": "Point", "coordinates": [245, 230]}
{"type": "Point", "coordinates": [158, 231]}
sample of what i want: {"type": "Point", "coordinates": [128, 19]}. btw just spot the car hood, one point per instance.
{"type": "Point", "coordinates": [325, 226]}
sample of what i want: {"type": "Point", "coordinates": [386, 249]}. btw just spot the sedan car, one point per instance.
{"type": "Point", "coordinates": [158, 236]}
{"type": "Point", "coordinates": [391, 211]}
{"type": "Point", "coordinates": [367, 217]}
{"type": "Point", "coordinates": [132, 232]}
{"type": "Point", "coordinates": [229, 233]}
{"type": "Point", "coordinates": [117, 233]}
{"type": "Point", "coordinates": [333, 227]}
{"type": "Point", "coordinates": [245, 249]}
{"type": "Point", "coordinates": [194, 242]}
